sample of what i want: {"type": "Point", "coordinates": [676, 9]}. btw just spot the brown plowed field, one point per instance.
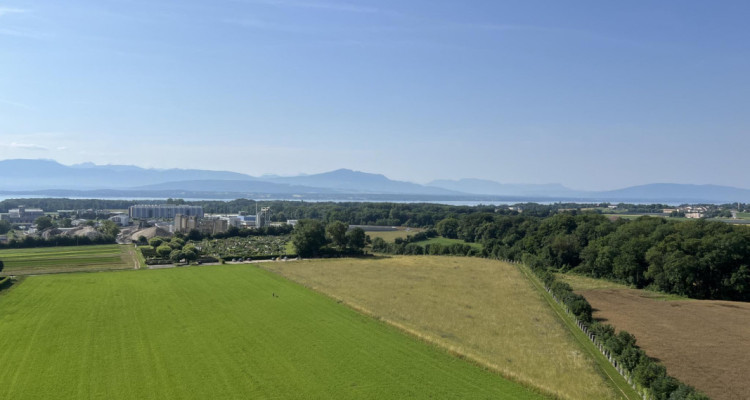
{"type": "Point", "coordinates": [701, 342]}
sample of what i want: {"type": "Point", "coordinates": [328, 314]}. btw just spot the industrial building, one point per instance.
{"type": "Point", "coordinates": [22, 215]}
{"type": "Point", "coordinates": [242, 221]}
{"type": "Point", "coordinates": [186, 223]}
{"type": "Point", "coordinates": [166, 211]}
{"type": "Point", "coordinates": [120, 219]}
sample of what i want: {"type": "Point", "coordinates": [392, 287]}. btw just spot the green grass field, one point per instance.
{"type": "Point", "coordinates": [448, 242]}
{"type": "Point", "coordinates": [484, 310]}
{"type": "Point", "coordinates": [43, 260]}
{"type": "Point", "coordinates": [214, 332]}
{"type": "Point", "coordinates": [390, 236]}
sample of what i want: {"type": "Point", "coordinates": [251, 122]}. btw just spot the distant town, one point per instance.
{"type": "Point", "coordinates": [145, 220]}
{"type": "Point", "coordinates": [153, 220]}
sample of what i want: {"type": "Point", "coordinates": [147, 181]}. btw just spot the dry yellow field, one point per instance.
{"type": "Point", "coordinates": [480, 309]}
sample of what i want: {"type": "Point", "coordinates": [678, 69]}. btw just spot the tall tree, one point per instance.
{"type": "Point", "coordinates": [336, 233]}
{"type": "Point", "coordinates": [43, 223]}
{"type": "Point", "coordinates": [355, 239]}
{"type": "Point", "coordinates": [308, 237]}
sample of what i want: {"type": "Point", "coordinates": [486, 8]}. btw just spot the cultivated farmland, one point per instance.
{"type": "Point", "coordinates": [214, 332]}
{"type": "Point", "coordinates": [704, 343]}
{"type": "Point", "coordinates": [481, 309]}
{"type": "Point", "coordinates": [251, 246]}
{"type": "Point", "coordinates": [45, 260]}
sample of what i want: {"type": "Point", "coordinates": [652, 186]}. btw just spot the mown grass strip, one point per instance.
{"type": "Point", "coordinates": [214, 332]}
{"type": "Point", "coordinates": [618, 382]}
{"type": "Point", "coordinates": [481, 309]}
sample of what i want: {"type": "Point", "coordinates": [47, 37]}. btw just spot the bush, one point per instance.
{"type": "Point", "coordinates": [147, 251]}
{"type": "Point", "coordinates": [5, 282]}
{"type": "Point", "coordinates": [163, 251]}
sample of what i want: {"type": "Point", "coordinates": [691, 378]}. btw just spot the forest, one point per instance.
{"type": "Point", "coordinates": [698, 259]}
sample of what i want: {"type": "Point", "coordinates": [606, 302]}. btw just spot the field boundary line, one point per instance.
{"type": "Point", "coordinates": [617, 380]}
{"type": "Point", "coordinates": [427, 339]}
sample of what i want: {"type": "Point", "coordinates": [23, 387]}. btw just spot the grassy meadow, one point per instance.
{"type": "Point", "coordinates": [484, 310]}
{"type": "Point", "coordinates": [447, 242]}
{"type": "Point", "coordinates": [390, 236]}
{"type": "Point", "coordinates": [581, 283]}
{"type": "Point", "coordinates": [215, 332]}
{"type": "Point", "coordinates": [42, 260]}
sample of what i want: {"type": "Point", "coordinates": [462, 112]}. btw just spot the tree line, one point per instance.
{"type": "Point", "coordinates": [61, 240]}
{"type": "Point", "coordinates": [698, 259]}
{"type": "Point", "coordinates": [313, 238]}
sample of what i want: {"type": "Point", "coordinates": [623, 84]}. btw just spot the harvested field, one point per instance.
{"type": "Point", "coordinates": [482, 309]}
{"type": "Point", "coordinates": [704, 343]}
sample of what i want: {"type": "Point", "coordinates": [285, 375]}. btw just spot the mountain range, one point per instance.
{"type": "Point", "coordinates": [49, 178]}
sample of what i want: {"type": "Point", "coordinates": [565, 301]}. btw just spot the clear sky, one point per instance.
{"type": "Point", "coordinates": [590, 94]}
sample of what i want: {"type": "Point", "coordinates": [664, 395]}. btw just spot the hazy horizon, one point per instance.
{"type": "Point", "coordinates": [590, 95]}
{"type": "Point", "coordinates": [272, 175]}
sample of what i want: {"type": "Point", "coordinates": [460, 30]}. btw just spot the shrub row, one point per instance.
{"type": "Point", "coordinates": [5, 282]}
{"type": "Point", "coordinates": [30, 241]}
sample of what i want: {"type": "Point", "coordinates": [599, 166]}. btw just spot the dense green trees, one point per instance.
{"type": "Point", "coordinates": [308, 237]}
{"type": "Point", "coordinates": [313, 238]}
{"type": "Point", "coordinates": [43, 222]}
{"type": "Point", "coordinates": [698, 259]}
{"type": "Point", "coordinates": [336, 234]}
{"type": "Point", "coordinates": [109, 228]}
{"type": "Point", "coordinates": [448, 228]}
{"type": "Point", "coordinates": [163, 251]}
{"type": "Point", "coordinates": [4, 227]}
{"type": "Point", "coordinates": [356, 239]}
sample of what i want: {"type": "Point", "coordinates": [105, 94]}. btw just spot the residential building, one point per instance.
{"type": "Point", "coordinates": [165, 211]}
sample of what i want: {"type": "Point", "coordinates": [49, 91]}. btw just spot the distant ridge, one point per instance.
{"type": "Point", "coordinates": [48, 177]}
{"type": "Point", "coordinates": [687, 193]}
{"type": "Point", "coordinates": [236, 186]}
{"type": "Point", "coordinates": [20, 174]}
{"type": "Point", "coordinates": [362, 182]}
{"type": "Point", "coordinates": [487, 187]}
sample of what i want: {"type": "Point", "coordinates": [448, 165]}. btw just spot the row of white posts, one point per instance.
{"type": "Point", "coordinates": [625, 374]}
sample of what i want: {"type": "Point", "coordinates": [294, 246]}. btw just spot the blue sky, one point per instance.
{"type": "Point", "coordinates": [590, 94]}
